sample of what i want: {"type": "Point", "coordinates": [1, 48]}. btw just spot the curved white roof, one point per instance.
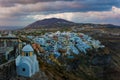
{"type": "Point", "coordinates": [27, 48]}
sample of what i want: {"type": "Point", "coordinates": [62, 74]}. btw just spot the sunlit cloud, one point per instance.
{"type": "Point", "coordinates": [24, 12]}
{"type": "Point", "coordinates": [80, 17]}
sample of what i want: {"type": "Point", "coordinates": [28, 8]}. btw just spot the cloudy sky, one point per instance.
{"type": "Point", "coordinates": [24, 12]}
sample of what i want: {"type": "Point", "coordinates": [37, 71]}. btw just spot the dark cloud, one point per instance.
{"type": "Point", "coordinates": [9, 3]}
{"type": "Point", "coordinates": [17, 10]}
{"type": "Point", "coordinates": [65, 5]}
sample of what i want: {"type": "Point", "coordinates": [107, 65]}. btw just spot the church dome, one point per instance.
{"type": "Point", "coordinates": [27, 48]}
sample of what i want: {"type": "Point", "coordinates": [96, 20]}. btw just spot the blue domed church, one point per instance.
{"type": "Point", "coordinates": [26, 63]}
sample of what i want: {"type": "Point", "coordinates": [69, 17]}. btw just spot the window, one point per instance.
{"type": "Point", "coordinates": [27, 53]}
{"type": "Point", "coordinates": [31, 53]}
{"type": "Point", "coordinates": [23, 69]}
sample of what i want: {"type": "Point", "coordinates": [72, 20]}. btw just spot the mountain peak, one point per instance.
{"type": "Point", "coordinates": [50, 22]}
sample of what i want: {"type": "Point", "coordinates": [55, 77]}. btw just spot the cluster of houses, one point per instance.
{"type": "Point", "coordinates": [56, 44]}
{"type": "Point", "coordinates": [67, 43]}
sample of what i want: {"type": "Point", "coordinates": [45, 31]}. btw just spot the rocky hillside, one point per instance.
{"type": "Point", "coordinates": [52, 22]}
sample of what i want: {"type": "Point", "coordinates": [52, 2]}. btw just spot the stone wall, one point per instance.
{"type": "Point", "coordinates": [7, 70]}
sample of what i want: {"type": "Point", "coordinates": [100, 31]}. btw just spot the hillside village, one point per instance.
{"type": "Point", "coordinates": [83, 52]}
{"type": "Point", "coordinates": [59, 39]}
{"type": "Point", "coordinates": [66, 50]}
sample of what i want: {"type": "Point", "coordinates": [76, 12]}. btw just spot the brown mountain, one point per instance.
{"type": "Point", "coordinates": [50, 23]}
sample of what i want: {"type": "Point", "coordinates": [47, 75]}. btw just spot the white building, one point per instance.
{"type": "Point", "coordinates": [26, 63]}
